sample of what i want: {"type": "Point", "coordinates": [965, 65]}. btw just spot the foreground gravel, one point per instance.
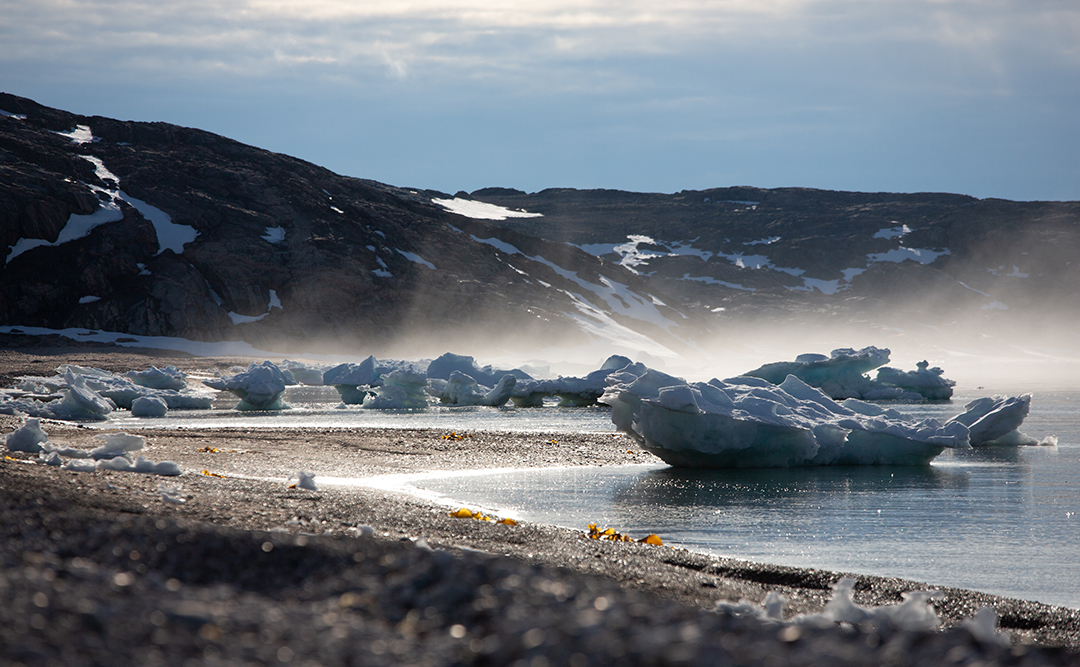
{"type": "Point", "coordinates": [101, 568]}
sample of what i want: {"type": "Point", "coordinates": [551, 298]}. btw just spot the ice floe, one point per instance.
{"type": "Point", "coordinates": [842, 374]}
{"type": "Point", "coordinates": [995, 421]}
{"type": "Point", "coordinates": [259, 387]}
{"type": "Point", "coordinates": [401, 390]}
{"type": "Point", "coordinates": [573, 391]}
{"type": "Point", "coordinates": [749, 422]}
{"type": "Point", "coordinates": [462, 389]}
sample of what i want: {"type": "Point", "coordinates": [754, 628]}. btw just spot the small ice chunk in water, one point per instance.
{"type": "Point", "coordinates": [259, 388]}
{"type": "Point", "coordinates": [997, 420]}
{"type": "Point", "coordinates": [159, 378]}
{"type": "Point", "coordinates": [149, 406]}
{"type": "Point", "coordinates": [27, 438]}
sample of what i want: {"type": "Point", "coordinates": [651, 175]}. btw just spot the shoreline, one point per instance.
{"type": "Point", "coordinates": [238, 511]}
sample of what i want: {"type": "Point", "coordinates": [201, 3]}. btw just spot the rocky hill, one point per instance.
{"type": "Point", "coordinates": [154, 229]}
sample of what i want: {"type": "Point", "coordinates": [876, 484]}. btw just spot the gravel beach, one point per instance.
{"type": "Point", "coordinates": [112, 568]}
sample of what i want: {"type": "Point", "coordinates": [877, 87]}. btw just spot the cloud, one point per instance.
{"type": "Point", "coordinates": [761, 82]}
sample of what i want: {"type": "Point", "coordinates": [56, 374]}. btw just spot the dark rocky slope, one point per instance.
{"type": "Point", "coordinates": [288, 253]}
{"type": "Point", "coordinates": [351, 261]}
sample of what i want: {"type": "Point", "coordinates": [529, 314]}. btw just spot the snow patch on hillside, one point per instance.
{"type": "Point", "coordinates": [481, 210]}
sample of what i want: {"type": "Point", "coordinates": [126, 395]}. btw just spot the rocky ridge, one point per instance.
{"type": "Point", "coordinates": [287, 255]}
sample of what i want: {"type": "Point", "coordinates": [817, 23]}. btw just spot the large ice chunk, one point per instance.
{"type": "Point", "coordinates": [27, 438]}
{"type": "Point", "coordinates": [149, 406]}
{"type": "Point", "coordinates": [927, 382]}
{"type": "Point", "coordinates": [842, 374]}
{"type": "Point", "coordinates": [401, 390]}
{"type": "Point", "coordinates": [574, 391]}
{"type": "Point", "coordinates": [462, 389]}
{"type": "Point", "coordinates": [348, 379]}
{"type": "Point", "coordinates": [259, 387]}
{"type": "Point", "coordinates": [749, 422]}
{"type": "Point", "coordinates": [997, 420]}
{"type": "Point", "coordinates": [159, 378]}
{"type": "Point", "coordinates": [441, 368]}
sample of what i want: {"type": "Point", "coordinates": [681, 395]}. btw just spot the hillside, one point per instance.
{"type": "Point", "coordinates": [153, 229]}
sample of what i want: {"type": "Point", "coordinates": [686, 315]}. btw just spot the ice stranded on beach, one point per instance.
{"type": "Point", "coordinates": [114, 453]}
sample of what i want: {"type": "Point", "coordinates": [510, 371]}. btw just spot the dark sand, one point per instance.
{"type": "Point", "coordinates": [99, 569]}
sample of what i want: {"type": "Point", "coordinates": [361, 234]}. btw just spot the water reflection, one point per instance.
{"type": "Point", "coordinates": [761, 487]}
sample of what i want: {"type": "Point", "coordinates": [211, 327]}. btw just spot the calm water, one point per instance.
{"type": "Point", "coordinates": [1004, 521]}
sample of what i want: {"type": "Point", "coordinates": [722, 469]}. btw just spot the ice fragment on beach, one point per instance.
{"type": "Point", "coordinates": [914, 613]}
{"type": "Point", "coordinates": [170, 495]}
{"type": "Point", "coordinates": [302, 480]}
{"type": "Point", "coordinates": [27, 438]}
{"type": "Point", "coordinates": [117, 444]}
{"type": "Point", "coordinates": [141, 465]}
{"type": "Point", "coordinates": [983, 626]}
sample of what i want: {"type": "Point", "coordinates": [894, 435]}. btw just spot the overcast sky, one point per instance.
{"type": "Point", "coordinates": [978, 97]}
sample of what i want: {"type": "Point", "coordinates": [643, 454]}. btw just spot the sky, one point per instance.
{"type": "Point", "coordinates": [979, 97]}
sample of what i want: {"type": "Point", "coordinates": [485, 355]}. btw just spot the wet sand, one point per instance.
{"type": "Point", "coordinates": [119, 527]}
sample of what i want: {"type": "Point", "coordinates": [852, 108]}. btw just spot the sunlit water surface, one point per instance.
{"type": "Point", "coordinates": [1004, 521]}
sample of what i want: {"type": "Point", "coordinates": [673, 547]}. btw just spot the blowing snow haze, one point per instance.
{"type": "Point", "coordinates": [158, 230]}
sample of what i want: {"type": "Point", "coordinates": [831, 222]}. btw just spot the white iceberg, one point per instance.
{"type": "Point", "coordinates": [159, 378]}
{"type": "Point", "coordinates": [929, 383]}
{"type": "Point", "coordinates": [996, 421]}
{"type": "Point", "coordinates": [28, 438]}
{"type": "Point", "coordinates": [441, 368]}
{"type": "Point", "coordinates": [573, 391]}
{"type": "Point", "coordinates": [348, 379]}
{"type": "Point", "coordinates": [305, 374]}
{"type": "Point", "coordinates": [117, 445]}
{"type": "Point", "coordinates": [149, 406]}
{"type": "Point", "coordinates": [461, 389]}
{"type": "Point", "coordinates": [121, 392]}
{"type": "Point", "coordinates": [749, 422]}
{"type": "Point", "coordinates": [401, 390]}
{"type": "Point", "coordinates": [842, 374]}
{"type": "Point", "coordinates": [259, 388]}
